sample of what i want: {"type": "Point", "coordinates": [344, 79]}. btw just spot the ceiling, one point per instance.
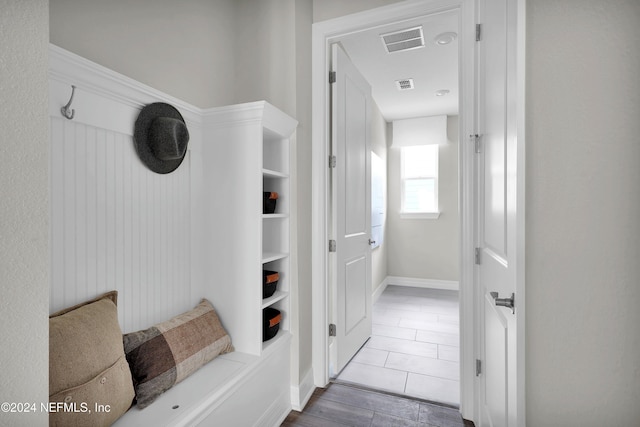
{"type": "Point", "coordinates": [432, 67]}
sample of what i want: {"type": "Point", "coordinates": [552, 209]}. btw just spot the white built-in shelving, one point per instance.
{"type": "Point", "coordinates": [246, 153]}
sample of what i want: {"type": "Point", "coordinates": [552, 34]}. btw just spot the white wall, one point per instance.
{"type": "Point", "coordinates": [583, 213]}
{"type": "Point", "coordinates": [380, 135]}
{"type": "Point", "coordinates": [183, 48]}
{"type": "Point", "coordinates": [24, 228]}
{"type": "Point", "coordinates": [426, 248]}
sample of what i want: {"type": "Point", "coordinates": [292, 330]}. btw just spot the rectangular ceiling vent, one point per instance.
{"type": "Point", "coordinates": [411, 38]}
{"type": "Point", "coordinates": [404, 84]}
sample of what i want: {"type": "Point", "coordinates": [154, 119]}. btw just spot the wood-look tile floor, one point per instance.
{"type": "Point", "coordinates": [342, 405]}
{"type": "Point", "coordinates": [414, 349]}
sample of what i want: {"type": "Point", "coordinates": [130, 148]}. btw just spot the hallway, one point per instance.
{"type": "Point", "coordinates": [341, 406]}
{"type": "Point", "coordinates": [414, 349]}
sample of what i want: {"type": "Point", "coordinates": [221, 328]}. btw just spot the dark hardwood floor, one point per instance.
{"type": "Point", "coordinates": [345, 405]}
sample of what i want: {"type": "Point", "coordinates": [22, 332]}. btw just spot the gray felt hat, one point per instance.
{"type": "Point", "coordinates": [161, 137]}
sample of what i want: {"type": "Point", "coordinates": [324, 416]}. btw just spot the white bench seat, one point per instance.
{"type": "Point", "coordinates": [235, 389]}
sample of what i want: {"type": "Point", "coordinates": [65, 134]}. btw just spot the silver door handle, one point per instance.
{"type": "Point", "coordinates": [505, 302]}
{"type": "Point", "coordinates": [372, 242]}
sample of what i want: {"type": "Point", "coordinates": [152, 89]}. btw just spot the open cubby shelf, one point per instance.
{"type": "Point", "coordinates": [277, 296]}
{"type": "Point", "coordinates": [256, 139]}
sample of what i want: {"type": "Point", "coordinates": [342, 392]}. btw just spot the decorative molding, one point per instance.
{"type": "Point", "coordinates": [67, 67]}
{"type": "Point", "coordinates": [400, 11]}
{"type": "Point", "coordinates": [451, 285]}
{"type": "Point", "coordinates": [250, 112]}
{"type": "Point", "coordinates": [301, 394]}
{"type": "Point", "coordinates": [469, 392]}
{"type": "Point", "coordinates": [233, 115]}
{"type": "Point", "coordinates": [106, 99]}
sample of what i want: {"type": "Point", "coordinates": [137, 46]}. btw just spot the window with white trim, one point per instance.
{"type": "Point", "coordinates": [419, 181]}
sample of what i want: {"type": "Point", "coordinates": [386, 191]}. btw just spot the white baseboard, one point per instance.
{"type": "Point", "coordinates": [451, 285]}
{"type": "Point", "coordinates": [301, 394]}
{"type": "Point", "coordinates": [276, 413]}
{"type": "Point", "coordinates": [379, 290]}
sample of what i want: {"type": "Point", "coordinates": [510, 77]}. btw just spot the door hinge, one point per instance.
{"type": "Point", "coordinates": [478, 367]}
{"type": "Point", "coordinates": [478, 32]}
{"type": "Point", "coordinates": [332, 76]}
{"type": "Point", "coordinates": [477, 256]}
{"type": "Point", "coordinates": [332, 245]}
{"type": "Point", "coordinates": [332, 329]}
{"type": "Point", "coordinates": [332, 161]}
{"type": "Point", "coordinates": [477, 142]}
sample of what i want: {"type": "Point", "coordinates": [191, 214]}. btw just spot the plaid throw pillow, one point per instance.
{"type": "Point", "coordinates": [169, 352]}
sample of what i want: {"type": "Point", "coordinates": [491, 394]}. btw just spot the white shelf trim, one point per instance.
{"type": "Point", "coordinates": [280, 335]}
{"type": "Point", "coordinates": [277, 296]}
{"type": "Point", "coordinates": [274, 174]}
{"type": "Point", "coordinates": [277, 215]}
{"type": "Point", "coordinates": [273, 256]}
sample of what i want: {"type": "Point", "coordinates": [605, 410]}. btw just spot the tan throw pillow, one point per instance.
{"type": "Point", "coordinates": [168, 352]}
{"type": "Point", "coordinates": [88, 371]}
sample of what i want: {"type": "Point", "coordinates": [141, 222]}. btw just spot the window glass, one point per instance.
{"type": "Point", "coordinates": [419, 169]}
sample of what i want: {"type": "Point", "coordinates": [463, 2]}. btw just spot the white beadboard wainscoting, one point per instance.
{"type": "Point", "coordinates": [114, 223]}
{"type": "Point", "coordinates": [117, 225]}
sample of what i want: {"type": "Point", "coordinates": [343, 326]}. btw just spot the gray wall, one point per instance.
{"type": "Point", "coordinates": [304, 12]}
{"type": "Point", "coordinates": [24, 227]}
{"type": "Point", "coordinates": [427, 248]}
{"type": "Point", "coordinates": [380, 131]}
{"type": "Point", "coordinates": [184, 48]}
{"type": "Point", "coordinates": [583, 205]}
{"type": "Point", "coordinates": [583, 213]}
{"type": "Point", "coordinates": [329, 9]}
{"type": "Point", "coordinates": [265, 54]}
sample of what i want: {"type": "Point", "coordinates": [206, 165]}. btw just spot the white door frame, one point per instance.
{"type": "Point", "coordinates": [322, 36]}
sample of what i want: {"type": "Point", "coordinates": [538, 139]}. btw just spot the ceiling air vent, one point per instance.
{"type": "Point", "coordinates": [397, 41]}
{"type": "Point", "coordinates": [404, 84]}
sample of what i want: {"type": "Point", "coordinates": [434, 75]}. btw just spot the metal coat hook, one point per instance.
{"type": "Point", "coordinates": [66, 111]}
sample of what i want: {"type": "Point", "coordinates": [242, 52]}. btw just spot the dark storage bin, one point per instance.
{"type": "Point", "coordinates": [269, 282]}
{"type": "Point", "coordinates": [270, 323]}
{"type": "Point", "coordinates": [269, 199]}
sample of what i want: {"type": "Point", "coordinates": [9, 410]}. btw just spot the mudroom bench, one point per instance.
{"type": "Point", "coordinates": [233, 389]}
{"type": "Point", "coordinates": [166, 239]}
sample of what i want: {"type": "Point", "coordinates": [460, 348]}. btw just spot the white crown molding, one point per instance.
{"type": "Point", "coordinates": [71, 69]}
{"type": "Point", "coordinates": [249, 112]}
{"type": "Point", "coordinates": [88, 76]}
{"type": "Point", "coordinates": [405, 10]}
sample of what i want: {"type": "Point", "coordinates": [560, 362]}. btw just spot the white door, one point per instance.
{"type": "Point", "coordinates": [351, 211]}
{"type": "Point", "coordinates": [500, 213]}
